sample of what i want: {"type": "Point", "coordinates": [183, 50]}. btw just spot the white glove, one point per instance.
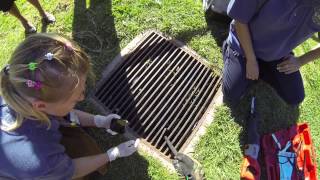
{"type": "Point", "coordinates": [105, 121]}
{"type": "Point", "coordinates": [123, 150]}
{"type": "Point", "coordinates": [74, 118]}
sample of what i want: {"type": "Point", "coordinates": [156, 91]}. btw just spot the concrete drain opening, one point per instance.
{"type": "Point", "coordinates": [157, 83]}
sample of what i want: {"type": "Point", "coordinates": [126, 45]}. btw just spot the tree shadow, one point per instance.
{"type": "Point", "coordinates": [94, 30]}
{"type": "Point", "coordinates": [274, 115]}
{"type": "Point", "coordinates": [186, 36]}
{"type": "Point", "coordinates": [219, 29]}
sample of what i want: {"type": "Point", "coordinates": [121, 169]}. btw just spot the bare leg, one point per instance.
{"type": "Point", "coordinates": [15, 12]}
{"type": "Point", "coordinates": [47, 17]}
{"type": "Point", "coordinates": [37, 5]}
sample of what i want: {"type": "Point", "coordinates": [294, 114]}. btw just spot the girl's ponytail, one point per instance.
{"type": "Point", "coordinates": [57, 64]}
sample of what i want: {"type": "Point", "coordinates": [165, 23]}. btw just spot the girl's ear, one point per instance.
{"type": "Point", "coordinates": [39, 105]}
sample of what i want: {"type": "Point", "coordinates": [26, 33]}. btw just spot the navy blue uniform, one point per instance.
{"type": "Point", "coordinates": [276, 29]}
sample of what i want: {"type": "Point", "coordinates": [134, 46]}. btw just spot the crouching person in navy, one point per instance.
{"type": "Point", "coordinates": [261, 39]}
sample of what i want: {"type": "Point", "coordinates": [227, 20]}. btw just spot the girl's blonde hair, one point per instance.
{"type": "Point", "coordinates": [58, 76]}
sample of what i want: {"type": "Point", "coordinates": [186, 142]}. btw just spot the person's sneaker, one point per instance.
{"type": "Point", "coordinates": [48, 19]}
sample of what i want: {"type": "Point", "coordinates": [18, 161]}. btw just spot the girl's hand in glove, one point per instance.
{"type": "Point", "coordinates": [112, 123]}
{"type": "Point", "coordinates": [290, 65]}
{"type": "Point", "coordinates": [123, 150]}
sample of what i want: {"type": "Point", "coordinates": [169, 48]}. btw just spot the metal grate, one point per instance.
{"type": "Point", "coordinates": [159, 86]}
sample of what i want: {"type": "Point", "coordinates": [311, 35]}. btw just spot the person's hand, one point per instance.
{"type": "Point", "coordinates": [105, 122]}
{"type": "Point", "coordinates": [123, 150]}
{"type": "Point", "coordinates": [252, 69]}
{"type": "Point", "coordinates": [290, 65]}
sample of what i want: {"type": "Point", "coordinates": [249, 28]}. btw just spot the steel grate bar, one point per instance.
{"type": "Point", "coordinates": [167, 93]}
{"type": "Point", "coordinates": [131, 77]}
{"type": "Point", "coordinates": [162, 89]}
{"type": "Point", "coordinates": [148, 91]}
{"type": "Point", "coordinates": [184, 109]}
{"type": "Point", "coordinates": [155, 91]}
{"type": "Point", "coordinates": [177, 102]}
{"type": "Point", "coordinates": [165, 119]}
{"type": "Point", "coordinates": [133, 86]}
{"type": "Point", "coordinates": [118, 74]}
{"type": "Point", "coordinates": [163, 103]}
{"type": "Point", "coordinates": [125, 65]}
{"type": "Point", "coordinates": [200, 111]}
{"type": "Point", "coordinates": [197, 116]}
{"type": "Point", "coordinates": [189, 110]}
{"type": "Point", "coordinates": [173, 50]}
{"type": "Point", "coordinates": [138, 61]}
{"type": "Point", "coordinates": [123, 83]}
{"type": "Point", "coordinates": [153, 76]}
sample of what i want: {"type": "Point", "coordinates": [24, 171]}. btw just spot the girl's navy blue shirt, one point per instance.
{"type": "Point", "coordinates": [32, 151]}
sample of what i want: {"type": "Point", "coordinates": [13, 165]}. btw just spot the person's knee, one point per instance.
{"type": "Point", "coordinates": [233, 89]}
{"type": "Point", "coordinates": [295, 98]}
{"type": "Point", "coordinates": [231, 95]}
{"type": "Point", "coordinates": [298, 100]}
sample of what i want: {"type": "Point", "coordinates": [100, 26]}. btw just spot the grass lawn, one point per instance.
{"type": "Point", "coordinates": [104, 27]}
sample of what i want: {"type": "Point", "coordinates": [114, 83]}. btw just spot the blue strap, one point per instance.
{"type": "Point", "coordinates": [285, 159]}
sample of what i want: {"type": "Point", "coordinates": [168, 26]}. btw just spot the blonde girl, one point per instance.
{"type": "Point", "coordinates": [40, 86]}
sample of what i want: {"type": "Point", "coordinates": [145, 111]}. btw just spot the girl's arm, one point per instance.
{"type": "Point", "coordinates": [89, 120]}
{"type": "Point", "coordinates": [88, 164]}
{"type": "Point", "coordinates": [86, 119]}
{"type": "Point", "coordinates": [252, 68]}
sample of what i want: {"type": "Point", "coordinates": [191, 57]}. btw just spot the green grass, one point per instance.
{"type": "Point", "coordinates": [104, 27]}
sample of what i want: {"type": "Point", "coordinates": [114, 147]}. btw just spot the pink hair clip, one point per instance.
{"type": "Point", "coordinates": [68, 46]}
{"type": "Point", "coordinates": [34, 84]}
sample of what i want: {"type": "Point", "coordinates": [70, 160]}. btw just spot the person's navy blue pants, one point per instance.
{"type": "Point", "coordinates": [235, 84]}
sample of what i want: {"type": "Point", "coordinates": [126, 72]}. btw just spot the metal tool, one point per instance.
{"type": "Point", "coordinates": [250, 167]}
{"type": "Point", "coordinates": [188, 167]}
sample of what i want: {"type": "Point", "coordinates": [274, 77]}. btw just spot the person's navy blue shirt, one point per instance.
{"type": "Point", "coordinates": [32, 151]}
{"type": "Point", "coordinates": [278, 27]}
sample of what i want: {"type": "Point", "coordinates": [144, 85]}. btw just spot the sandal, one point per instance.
{"type": "Point", "coordinates": [48, 19]}
{"type": "Point", "coordinates": [30, 30]}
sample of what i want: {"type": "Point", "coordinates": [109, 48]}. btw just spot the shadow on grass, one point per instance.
{"type": "Point", "coordinates": [186, 36]}
{"type": "Point", "coordinates": [219, 29]}
{"type": "Point", "coordinates": [274, 114]}
{"type": "Point", "coordinates": [94, 30]}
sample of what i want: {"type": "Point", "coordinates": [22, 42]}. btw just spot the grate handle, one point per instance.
{"type": "Point", "coordinates": [171, 147]}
